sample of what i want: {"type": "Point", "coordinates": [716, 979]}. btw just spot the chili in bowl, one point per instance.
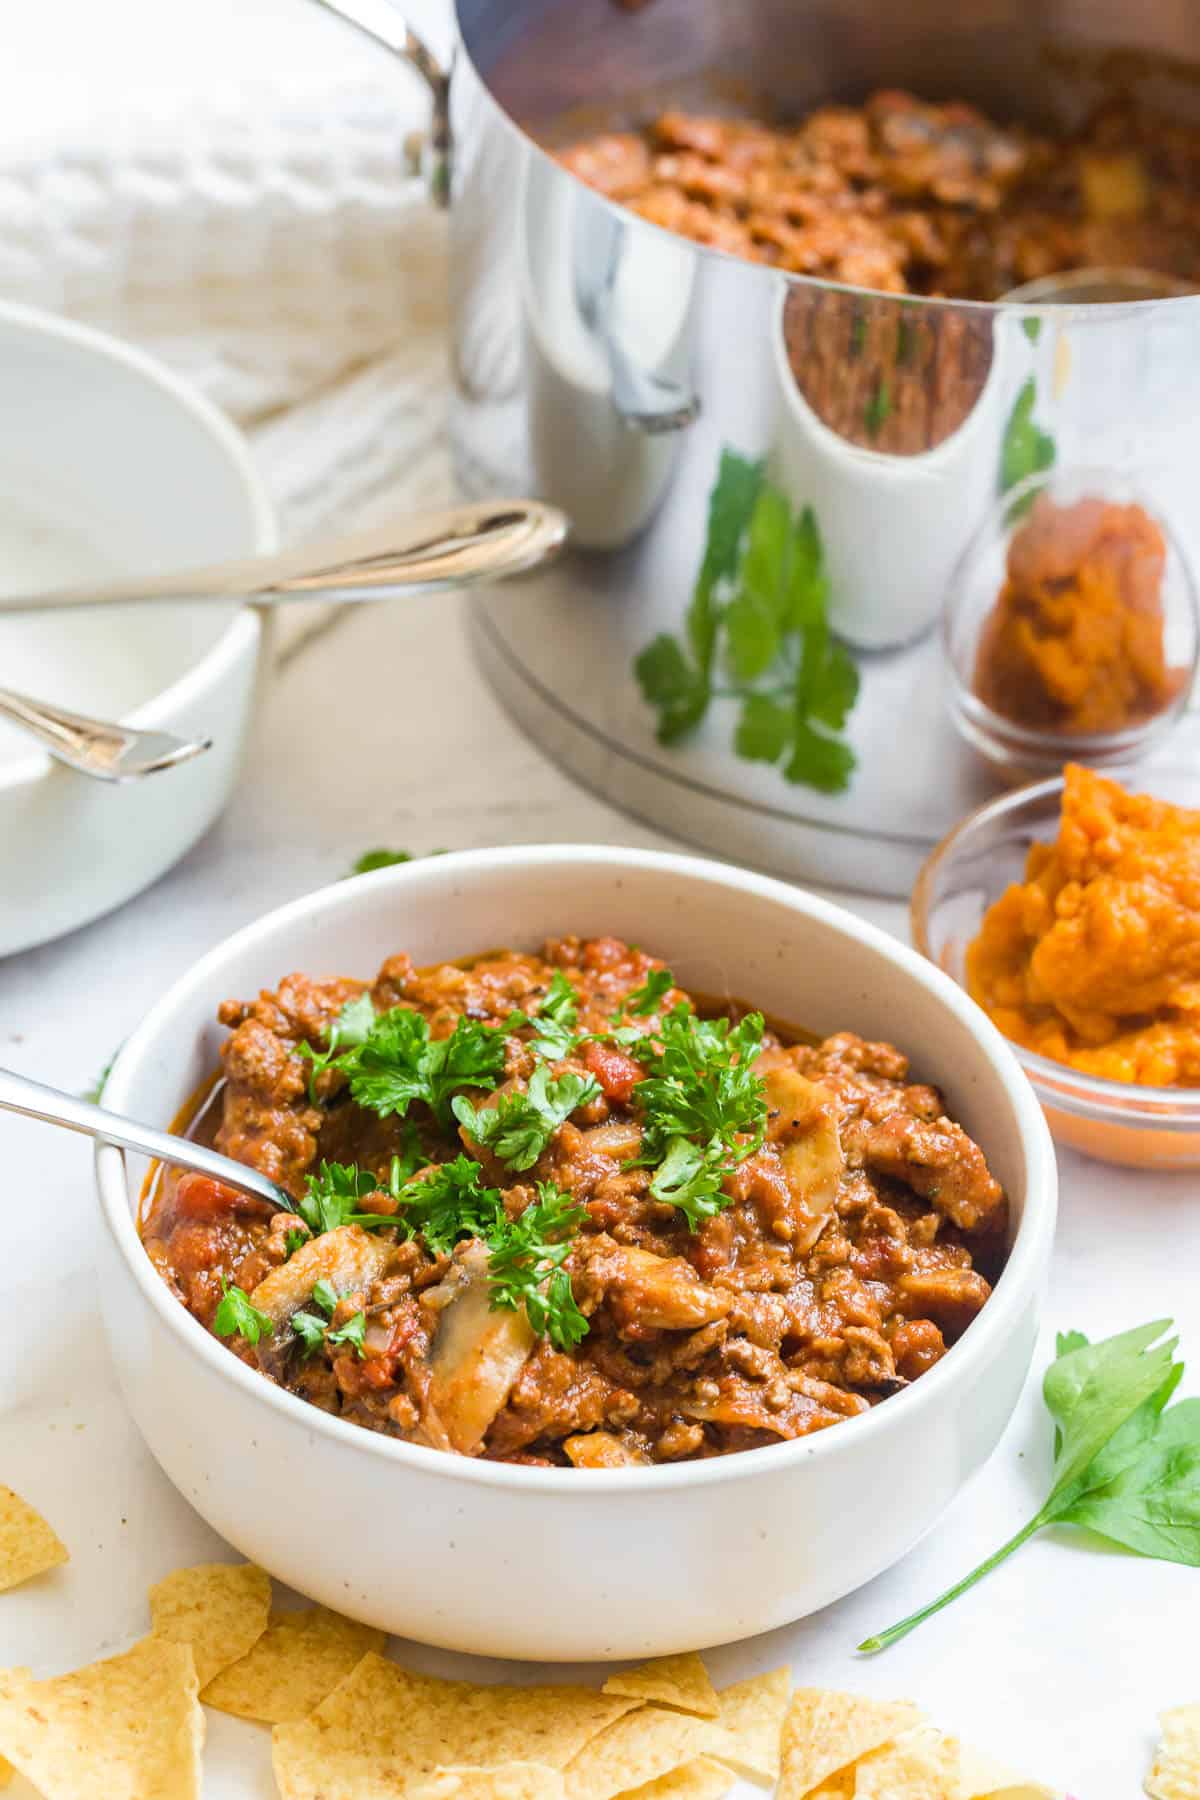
{"type": "Point", "coordinates": [629, 1267]}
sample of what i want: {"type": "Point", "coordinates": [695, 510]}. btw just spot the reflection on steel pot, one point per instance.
{"type": "Point", "coordinates": [757, 460]}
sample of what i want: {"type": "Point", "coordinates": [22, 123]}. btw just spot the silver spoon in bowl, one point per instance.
{"type": "Point", "coordinates": [459, 547]}
{"type": "Point", "coordinates": [33, 1100]}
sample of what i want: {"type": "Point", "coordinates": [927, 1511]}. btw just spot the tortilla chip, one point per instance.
{"type": "Point", "coordinates": [826, 1731]}
{"type": "Point", "coordinates": [385, 1729]}
{"type": "Point", "coordinates": [702, 1779]}
{"type": "Point", "coordinates": [301, 1657]}
{"type": "Point", "coordinates": [638, 1749]}
{"type": "Point", "coordinates": [837, 1787]}
{"type": "Point", "coordinates": [6, 1772]}
{"type": "Point", "coordinates": [220, 1609]}
{"type": "Point", "coordinates": [919, 1765]}
{"type": "Point", "coordinates": [981, 1775]}
{"type": "Point", "coordinates": [1026, 1790]}
{"type": "Point", "coordinates": [506, 1781]}
{"type": "Point", "coordinates": [680, 1681]}
{"type": "Point", "coordinates": [1176, 1771]}
{"type": "Point", "coordinates": [28, 1546]}
{"type": "Point", "coordinates": [124, 1728]}
{"type": "Point", "coordinates": [752, 1714]}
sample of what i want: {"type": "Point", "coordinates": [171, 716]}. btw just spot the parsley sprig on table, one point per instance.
{"type": "Point", "coordinates": [757, 630]}
{"type": "Point", "coordinates": [703, 1106]}
{"type": "Point", "coordinates": [1126, 1465]}
{"type": "Point", "coordinates": [519, 1127]}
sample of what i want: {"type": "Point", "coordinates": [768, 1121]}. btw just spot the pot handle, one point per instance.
{"type": "Point", "coordinates": [386, 25]}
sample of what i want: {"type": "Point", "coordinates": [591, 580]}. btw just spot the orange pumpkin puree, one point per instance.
{"type": "Point", "coordinates": [1074, 643]}
{"type": "Point", "coordinates": [1094, 960]}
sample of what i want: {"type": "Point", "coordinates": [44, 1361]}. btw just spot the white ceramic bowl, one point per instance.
{"type": "Point", "coordinates": [558, 1564]}
{"type": "Point", "coordinates": [109, 464]}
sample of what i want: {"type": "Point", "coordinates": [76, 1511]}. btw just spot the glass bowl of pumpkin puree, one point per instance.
{"type": "Point", "coordinates": [1071, 628]}
{"type": "Point", "coordinates": [1070, 912]}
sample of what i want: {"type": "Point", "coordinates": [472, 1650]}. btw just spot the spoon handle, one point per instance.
{"type": "Point", "coordinates": [483, 541]}
{"type": "Point", "coordinates": [34, 1101]}
{"type": "Point", "coordinates": [110, 752]}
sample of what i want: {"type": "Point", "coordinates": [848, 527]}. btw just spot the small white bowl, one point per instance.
{"type": "Point", "coordinates": [109, 464]}
{"type": "Point", "coordinates": [557, 1564]}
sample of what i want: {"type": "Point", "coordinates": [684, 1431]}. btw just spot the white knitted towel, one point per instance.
{"type": "Point", "coordinates": [262, 234]}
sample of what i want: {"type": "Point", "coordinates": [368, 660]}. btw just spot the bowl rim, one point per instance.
{"type": "Point", "coordinates": [420, 882]}
{"type": "Point", "coordinates": [245, 627]}
{"type": "Point", "coordinates": [1092, 1096]}
{"type": "Point", "coordinates": [464, 54]}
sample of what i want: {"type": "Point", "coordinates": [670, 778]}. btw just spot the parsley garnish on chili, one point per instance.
{"type": "Point", "coordinates": [525, 1266]}
{"type": "Point", "coordinates": [556, 1019]}
{"type": "Point", "coordinates": [351, 1028]}
{"type": "Point", "coordinates": [395, 1061]}
{"type": "Point", "coordinates": [520, 1126]}
{"type": "Point", "coordinates": [703, 1108]}
{"type": "Point", "coordinates": [236, 1312]}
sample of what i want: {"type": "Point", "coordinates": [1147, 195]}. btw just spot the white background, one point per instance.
{"type": "Point", "coordinates": [381, 732]}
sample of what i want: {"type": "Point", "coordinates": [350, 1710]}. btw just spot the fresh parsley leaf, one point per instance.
{"type": "Point", "coordinates": [448, 1202]}
{"type": "Point", "coordinates": [351, 1027]}
{"type": "Point", "coordinates": [519, 1127]}
{"type": "Point", "coordinates": [690, 1177]}
{"type": "Point", "coordinates": [370, 860]}
{"type": "Point", "coordinates": [1152, 1506]}
{"type": "Point", "coordinates": [756, 616]}
{"type": "Point", "coordinates": [1025, 450]}
{"type": "Point", "coordinates": [409, 1158]}
{"type": "Point", "coordinates": [836, 688]}
{"type": "Point", "coordinates": [310, 1330]}
{"type": "Point", "coordinates": [670, 683]}
{"type": "Point", "coordinates": [1126, 1464]}
{"type": "Point", "coordinates": [525, 1266]}
{"type": "Point", "coordinates": [1095, 1388]}
{"type": "Point", "coordinates": [703, 1107]}
{"type": "Point", "coordinates": [1032, 329]}
{"type": "Point", "coordinates": [350, 1333]}
{"type": "Point", "coordinates": [400, 1062]}
{"type": "Point", "coordinates": [556, 1019]}
{"type": "Point", "coordinates": [644, 1000]}
{"type": "Point", "coordinates": [325, 1295]}
{"type": "Point", "coordinates": [764, 730]}
{"type": "Point", "coordinates": [820, 762]}
{"type": "Point", "coordinates": [332, 1196]}
{"type": "Point", "coordinates": [730, 506]}
{"type": "Point", "coordinates": [293, 1240]}
{"type": "Point", "coordinates": [237, 1313]}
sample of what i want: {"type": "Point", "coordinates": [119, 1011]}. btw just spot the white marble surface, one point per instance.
{"type": "Point", "coordinates": [381, 732]}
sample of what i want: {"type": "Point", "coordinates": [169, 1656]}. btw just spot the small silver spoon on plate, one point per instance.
{"type": "Point", "coordinates": [33, 1100]}
{"type": "Point", "coordinates": [464, 545]}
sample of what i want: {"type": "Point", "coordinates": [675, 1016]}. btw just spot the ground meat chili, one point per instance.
{"type": "Point", "coordinates": [552, 1211]}
{"type": "Point", "coordinates": [905, 196]}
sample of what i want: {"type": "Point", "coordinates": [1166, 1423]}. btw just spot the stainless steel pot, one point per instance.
{"type": "Point", "coordinates": [617, 370]}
